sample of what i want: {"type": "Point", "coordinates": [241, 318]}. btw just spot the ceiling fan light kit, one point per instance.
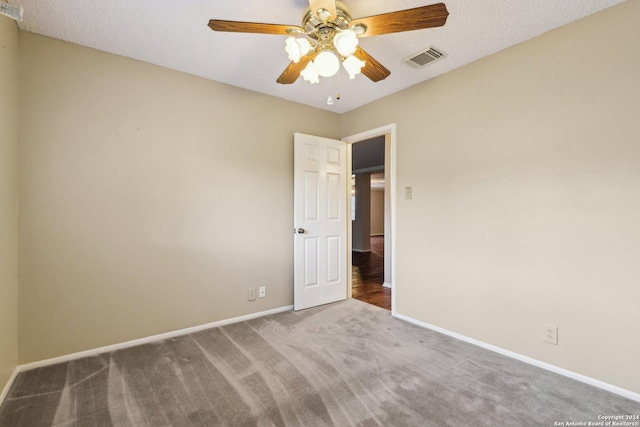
{"type": "Point", "coordinates": [296, 48]}
{"type": "Point", "coordinates": [310, 73]}
{"type": "Point", "coordinates": [353, 66]}
{"type": "Point", "coordinates": [329, 36]}
{"type": "Point", "coordinates": [333, 42]}
{"type": "Point", "coordinates": [345, 42]}
{"type": "Point", "coordinates": [327, 63]}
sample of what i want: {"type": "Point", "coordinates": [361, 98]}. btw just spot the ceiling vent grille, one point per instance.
{"type": "Point", "coordinates": [425, 57]}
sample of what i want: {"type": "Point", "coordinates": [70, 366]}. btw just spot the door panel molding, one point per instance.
{"type": "Point", "coordinates": [320, 221]}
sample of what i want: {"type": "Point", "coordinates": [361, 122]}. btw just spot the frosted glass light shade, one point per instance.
{"type": "Point", "coordinates": [305, 46]}
{"type": "Point", "coordinates": [346, 42]}
{"type": "Point", "coordinates": [296, 48]}
{"type": "Point", "coordinates": [327, 63]}
{"type": "Point", "coordinates": [310, 73]}
{"type": "Point", "coordinates": [353, 66]}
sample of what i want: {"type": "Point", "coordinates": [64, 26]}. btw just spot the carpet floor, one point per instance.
{"type": "Point", "coordinates": [344, 364]}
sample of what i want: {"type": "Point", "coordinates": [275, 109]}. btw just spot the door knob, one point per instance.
{"type": "Point", "coordinates": [301, 231]}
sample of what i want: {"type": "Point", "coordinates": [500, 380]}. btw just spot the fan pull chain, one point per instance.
{"type": "Point", "coordinates": [330, 98]}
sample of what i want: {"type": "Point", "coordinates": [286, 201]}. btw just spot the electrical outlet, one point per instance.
{"type": "Point", "coordinates": [551, 334]}
{"type": "Point", "coordinates": [262, 291]}
{"type": "Point", "coordinates": [252, 294]}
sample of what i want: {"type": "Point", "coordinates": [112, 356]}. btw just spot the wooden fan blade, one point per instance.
{"type": "Point", "coordinates": [418, 18]}
{"type": "Point", "coordinates": [254, 27]}
{"type": "Point", "coordinates": [374, 70]}
{"type": "Point", "coordinates": [328, 5]}
{"type": "Point", "coordinates": [292, 72]}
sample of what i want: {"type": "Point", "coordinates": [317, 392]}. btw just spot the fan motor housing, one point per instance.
{"type": "Point", "coordinates": [314, 26]}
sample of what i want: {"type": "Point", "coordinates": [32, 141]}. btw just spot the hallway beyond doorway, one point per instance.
{"type": "Point", "coordinates": [368, 275]}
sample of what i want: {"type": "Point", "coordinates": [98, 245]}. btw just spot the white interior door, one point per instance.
{"type": "Point", "coordinates": [320, 221]}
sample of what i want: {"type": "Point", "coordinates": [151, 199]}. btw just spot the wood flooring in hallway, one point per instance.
{"type": "Point", "coordinates": [368, 275]}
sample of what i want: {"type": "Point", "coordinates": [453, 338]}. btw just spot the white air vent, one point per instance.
{"type": "Point", "coordinates": [13, 12]}
{"type": "Point", "coordinates": [425, 57]}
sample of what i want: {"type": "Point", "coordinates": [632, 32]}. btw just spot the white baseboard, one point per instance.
{"type": "Point", "coordinates": [526, 359]}
{"type": "Point", "coordinates": [386, 284]}
{"type": "Point", "coordinates": [146, 340]}
{"type": "Point", "coordinates": [106, 349]}
{"type": "Point", "coordinates": [7, 386]}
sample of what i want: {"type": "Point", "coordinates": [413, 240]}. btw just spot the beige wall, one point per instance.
{"type": "Point", "coordinates": [151, 200]}
{"type": "Point", "coordinates": [9, 102]}
{"type": "Point", "coordinates": [361, 226]}
{"type": "Point", "coordinates": [526, 196]}
{"type": "Point", "coordinates": [377, 212]}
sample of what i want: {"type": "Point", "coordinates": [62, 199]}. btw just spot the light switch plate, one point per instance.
{"type": "Point", "coordinates": [408, 193]}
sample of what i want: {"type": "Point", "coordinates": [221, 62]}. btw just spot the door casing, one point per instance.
{"type": "Point", "coordinates": [390, 171]}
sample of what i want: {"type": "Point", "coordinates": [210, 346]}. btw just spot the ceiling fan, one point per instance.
{"type": "Point", "coordinates": [328, 36]}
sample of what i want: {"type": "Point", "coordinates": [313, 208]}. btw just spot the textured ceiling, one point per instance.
{"type": "Point", "coordinates": [174, 34]}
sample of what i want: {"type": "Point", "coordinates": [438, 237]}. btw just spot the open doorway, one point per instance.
{"type": "Point", "coordinates": [389, 269]}
{"type": "Point", "coordinates": [368, 188]}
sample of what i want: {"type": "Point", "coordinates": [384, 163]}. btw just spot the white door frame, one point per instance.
{"type": "Point", "coordinates": [390, 177]}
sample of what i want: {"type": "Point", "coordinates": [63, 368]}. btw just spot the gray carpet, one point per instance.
{"type": "Point", "coordinates": [344, 364]}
